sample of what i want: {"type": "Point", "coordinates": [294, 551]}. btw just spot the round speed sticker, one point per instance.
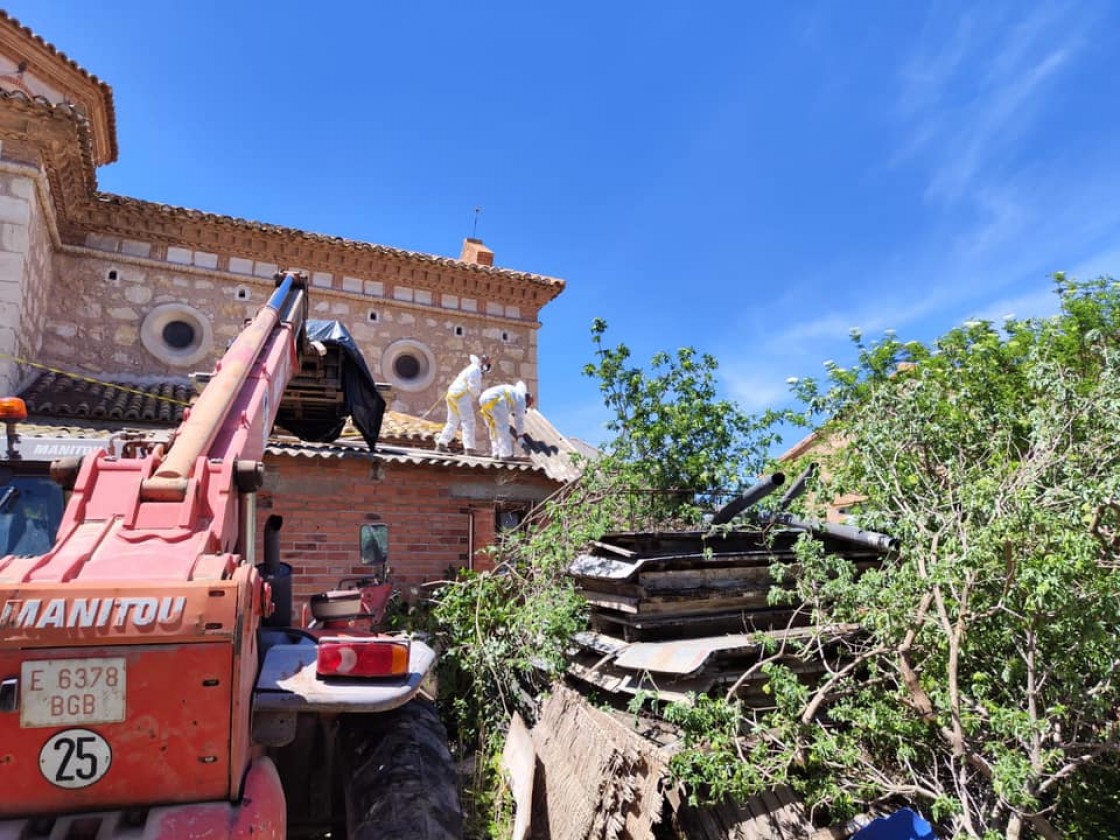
{"type": "Point", "coordinates": [75, 758]}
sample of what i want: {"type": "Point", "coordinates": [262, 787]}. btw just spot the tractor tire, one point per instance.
{"type": "Point", "coordinates": [400, 781]}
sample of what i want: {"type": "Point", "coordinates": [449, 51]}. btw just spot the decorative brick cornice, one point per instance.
{"type": "Point", "coordinates": [152, 222]}
{"type": "Point", "coordinates": [56, 138]}
{"type": "Point", "coordinates": [57, 69]}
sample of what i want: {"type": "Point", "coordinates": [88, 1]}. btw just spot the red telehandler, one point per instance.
{"type": "Point", "coordinates": [151, 682]}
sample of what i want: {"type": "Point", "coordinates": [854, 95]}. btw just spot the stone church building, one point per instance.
{"type": "Point", "coordinates": [108, 303]}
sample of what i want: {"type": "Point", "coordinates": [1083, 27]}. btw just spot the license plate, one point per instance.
{"type": "Point", "coordinates": [58, 692]}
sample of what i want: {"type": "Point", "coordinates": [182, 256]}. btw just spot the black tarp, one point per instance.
{"type": "Point", "coordinates": [362, 402]}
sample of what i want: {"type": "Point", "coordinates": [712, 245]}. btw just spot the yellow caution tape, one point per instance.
{"type": "Point", "coordinates": [95, 381]}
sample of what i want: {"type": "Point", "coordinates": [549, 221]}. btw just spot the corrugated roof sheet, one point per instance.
{"type": "Point", "coordinates": [61, 405]}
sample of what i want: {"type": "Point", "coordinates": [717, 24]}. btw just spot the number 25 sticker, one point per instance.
{"type": "Point", "coordinates": [75, 758]}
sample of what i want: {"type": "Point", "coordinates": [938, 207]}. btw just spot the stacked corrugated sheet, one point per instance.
{"type": "Point", "coordinates": [680, 612]}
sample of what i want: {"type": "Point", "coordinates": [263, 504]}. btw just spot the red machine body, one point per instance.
{"type": "Point", "coordinates": [130, 652]}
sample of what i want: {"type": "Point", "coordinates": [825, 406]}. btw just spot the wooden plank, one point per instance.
{"type": "Point", "coordinates": [615, 549]}
{"type": "Point", "coordinates": [656, 582]}
{"type": "Point", "coordinates": [772, 815]}
{"type": "Point", "coordinates": [606, 681]}
{"type": "Point", "coordinates": [622, 603]}
{"type": "Point", "coordinates": [702, 604]}
{"type": "Point", "coordinates": [599, 642]}
{"type": "Point", "coordinates": [760, 819]}
{"type": "Point", "coordinates": [645, 628]}
{"type": "Point", "coordinates": [717, 574]}
{"type": "Point", "coordinates": [784, 819]}
{"type": "Point", "coordinates": [610, 587]}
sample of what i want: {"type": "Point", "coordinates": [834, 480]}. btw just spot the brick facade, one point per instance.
{"type": "Point", "coordinates": [438, 520]}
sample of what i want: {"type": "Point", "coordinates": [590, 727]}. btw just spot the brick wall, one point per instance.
{"type": "Point", "coordinates": [325, 501]}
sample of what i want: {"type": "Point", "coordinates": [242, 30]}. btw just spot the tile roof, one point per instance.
{"type": "Point", "coordinates": [57, 394]}
{"type": "Point", "coordinates": [71, 406]}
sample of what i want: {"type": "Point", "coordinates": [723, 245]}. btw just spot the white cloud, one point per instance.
{"type": "Point", "coordinates": [1003, 209]}
{"type": "Point", "coordinates": [756, 385]}
{"type": "Point", "coordinates": [968, 96]}
{"type": "Point", "coordinates": [934, 63]}
{"type": "Point", "coordinates": [987, 127]}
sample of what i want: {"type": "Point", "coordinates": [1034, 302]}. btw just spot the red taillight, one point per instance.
{"type": "Point", "coordinates": [356, 657]}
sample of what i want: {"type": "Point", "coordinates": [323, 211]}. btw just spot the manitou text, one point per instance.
{"type": "Point", "coordinates": [39, 614]}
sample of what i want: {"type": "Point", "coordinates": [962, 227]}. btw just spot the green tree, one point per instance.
{"type": "Point", "coordinates": [984, 687]}
{"type": "Point", "coordinates": [671, 429]}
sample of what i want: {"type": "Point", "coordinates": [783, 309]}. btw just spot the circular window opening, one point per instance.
{"type": "Point", "coordinates": [408, 365]}
{"type": "Point", "coordinates": [178, 334]}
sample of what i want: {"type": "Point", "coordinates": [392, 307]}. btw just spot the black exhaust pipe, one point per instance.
{"type": "Point", "coordinates": [277, 574]}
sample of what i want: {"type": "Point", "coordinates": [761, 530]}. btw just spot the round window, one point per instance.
{"type": "Point", "coordinates": [408, 365]}
{"type": "Point", "coordinates": [176, 334]}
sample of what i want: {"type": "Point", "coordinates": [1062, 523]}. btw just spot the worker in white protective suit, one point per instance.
{"type": "Point", "coordinates": [466, 388]}
{"type": "Point", "coordinates": [500, 405]}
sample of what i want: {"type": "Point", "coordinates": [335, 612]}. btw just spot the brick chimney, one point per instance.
{"type": "Point", "coordinates": [475, 252]}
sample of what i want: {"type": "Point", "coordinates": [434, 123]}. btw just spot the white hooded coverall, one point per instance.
{"type": "Point", "coordinates": [499, 405]}
{"type": "Point", "coordinates": [466, 386]}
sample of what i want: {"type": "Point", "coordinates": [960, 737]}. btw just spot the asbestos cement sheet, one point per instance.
{"type": "Point", "coordinates": [520, 761]}
{"type": "Point", "coordinates": [681, 657]}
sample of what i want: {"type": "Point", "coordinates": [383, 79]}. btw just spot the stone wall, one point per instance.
{"type": "Point", "coordinates": [25, 275]}
{"type": "Point", "coordinates": [98, 314]}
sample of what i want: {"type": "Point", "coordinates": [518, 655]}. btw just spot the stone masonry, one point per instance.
{"type": "Point", "coordinates": [25, 253]}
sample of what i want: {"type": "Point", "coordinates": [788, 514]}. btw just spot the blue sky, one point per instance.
{"type": "Point", "coordinates": [750, 179]}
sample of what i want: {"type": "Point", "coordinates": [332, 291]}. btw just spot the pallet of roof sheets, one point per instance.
{"type": "Point", "coordinates": [672, 585]}
{"type": "Point", "coordinates": [674, 669]}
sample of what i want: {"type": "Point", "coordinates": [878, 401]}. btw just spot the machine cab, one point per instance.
{"type": "Point", "coordinates": [31, 502]}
